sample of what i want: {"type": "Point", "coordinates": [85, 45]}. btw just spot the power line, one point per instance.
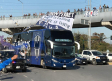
{"type": "Point", "coordinates": [44, 3]}
{"type": "Point", "coordinates": [41, 4]}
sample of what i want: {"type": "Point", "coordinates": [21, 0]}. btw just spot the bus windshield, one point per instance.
{"type": "Point", "coordinates": [64, 51]}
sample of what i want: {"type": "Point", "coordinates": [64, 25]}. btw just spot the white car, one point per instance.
{"type": "Point", "coordinates": [94, 57]}
{"type": "Point", "coordinates": [109, 56]}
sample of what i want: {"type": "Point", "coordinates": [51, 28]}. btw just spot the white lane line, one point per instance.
{"type": "Point", "coordinates": [25, 76]}
{"type": "Point", "coordinates": [32, 80]}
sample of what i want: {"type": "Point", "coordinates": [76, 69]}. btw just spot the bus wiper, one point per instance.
{"type": "Point", "coordinates": [72, 56]}
{"type": "Point", "coordinates": [57, 55]}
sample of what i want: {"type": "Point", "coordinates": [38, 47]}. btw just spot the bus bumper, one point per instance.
{"type": "Point", "coordinates": [63, 65]}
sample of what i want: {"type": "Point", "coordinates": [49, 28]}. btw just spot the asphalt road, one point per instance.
{"type": "Point", "coordinates": [78, 73]}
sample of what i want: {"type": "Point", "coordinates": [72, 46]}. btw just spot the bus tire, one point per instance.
{"type": "Point", "coordinates": [24, 70]}
{"type": "Point", "coordinates": [41, 62]}
{"type": "Point", "coordinates": [44, 66]}
{"type": "Point", "coordinates": [75, 63]}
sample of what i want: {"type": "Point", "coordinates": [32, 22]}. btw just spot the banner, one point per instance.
{"type": "Point", "coordinates": [91, 13]}
{"type": "Point", "coordinates": [57, 21]}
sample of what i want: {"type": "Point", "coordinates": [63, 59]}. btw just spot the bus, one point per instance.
{"type": "Point", "coordinates": [47, 47]}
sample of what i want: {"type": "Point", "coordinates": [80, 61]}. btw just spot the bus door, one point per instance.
{"type": "Point", "coordinates": [48, 54]}
{"type": "Point", "coordinates": [37, 48]}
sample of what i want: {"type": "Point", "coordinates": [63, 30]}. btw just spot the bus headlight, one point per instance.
{"type": "Point", "coordinates": [54, 60]}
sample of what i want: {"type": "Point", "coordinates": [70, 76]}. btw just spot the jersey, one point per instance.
{"type": "Point", "coordinates": [5, 63]}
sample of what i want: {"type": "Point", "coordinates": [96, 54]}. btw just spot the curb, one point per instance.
{"type": "Point", "coordinates": [109, 63]}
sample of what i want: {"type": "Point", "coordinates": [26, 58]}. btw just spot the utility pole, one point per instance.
{"type": "Point", "coordinates": [22, 6]}
{"type": "Point", "coordinates": [89, 29]}
{"type": "Point", "coordinates": [100, 2]}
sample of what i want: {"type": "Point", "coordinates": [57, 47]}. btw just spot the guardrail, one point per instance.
{"type": "Point", "coordinates": [20, 17]}
{"type": "Point", "coordinates": [99, 11]}
{"type": "Point", "coordinates": [39, 16]}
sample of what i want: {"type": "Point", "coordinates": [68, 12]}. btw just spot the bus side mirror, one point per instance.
{"type": "Point", "coordinates": [51, 44]}
{"type": "Point", "coordinates": [78, 45]}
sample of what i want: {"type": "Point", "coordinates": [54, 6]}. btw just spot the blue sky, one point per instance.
{"type": "Point", "coordinates": [16, 8]}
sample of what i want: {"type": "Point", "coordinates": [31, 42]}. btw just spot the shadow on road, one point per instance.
{"type": "Point", "coordinates": [69, 68]}
{"type": "Point", "coordinates": [6, 78]}
{"type": "Point", "coordinates": [19, 71]}
{"type": "Point", "coordinates": [52, 68]}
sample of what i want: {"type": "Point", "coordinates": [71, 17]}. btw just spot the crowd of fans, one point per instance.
{"type": "Point", "coordinates": [103, 8]}
{"type": "Point", "coordinates": [3, 18]}
{"type": "Point", "coordinates": [80, 11]}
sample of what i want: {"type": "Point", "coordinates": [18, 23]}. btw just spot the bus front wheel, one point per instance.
{"type": "Point", "coordinates": [43, 64]}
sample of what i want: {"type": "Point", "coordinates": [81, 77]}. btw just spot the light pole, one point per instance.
{"type": "Point", "coordinates": [22, 6]}
{"type": "Point", "coordinates": [90, 28]}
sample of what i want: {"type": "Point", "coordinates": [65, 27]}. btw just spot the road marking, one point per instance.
{"type": "Point", "coordinates": [32, 80]}
{"type": "Point", "coordinates": [25, 76]}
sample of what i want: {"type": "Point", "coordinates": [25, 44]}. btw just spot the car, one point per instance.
{"type": "Point", "coordinates": [17, 64]}
{"type": "Point", "coordinates": [95, 57]}
{"type": "Point", "coordinates": [109, 56]}
{"type": "Point", "coordinates": [80, 59]}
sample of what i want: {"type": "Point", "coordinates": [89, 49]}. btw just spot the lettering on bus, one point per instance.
{"type": "Point", "coordinates": [63, 40]}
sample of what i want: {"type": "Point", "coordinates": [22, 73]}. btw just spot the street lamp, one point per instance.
{"type": "Point", "coordinates": [22, 6]}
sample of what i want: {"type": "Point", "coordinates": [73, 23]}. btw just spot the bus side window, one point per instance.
{"type": "Point", "coordinates": [29, 52]}
{"type": "Point", "coordinates": [47, 35]}
{"type": "Point", "coordinates": [19, 37]}
{"type": "Point", "coordinates": [48, 50]}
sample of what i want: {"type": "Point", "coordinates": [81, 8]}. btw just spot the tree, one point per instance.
{"type": "Point", "coordinates": [97, 42]}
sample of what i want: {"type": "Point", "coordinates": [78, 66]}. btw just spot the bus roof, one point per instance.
{"type": "Point", "coordinates": [44, 30]}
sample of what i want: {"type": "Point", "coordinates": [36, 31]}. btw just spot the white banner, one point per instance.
{"type": "Point", "coordinates": [57, 21]}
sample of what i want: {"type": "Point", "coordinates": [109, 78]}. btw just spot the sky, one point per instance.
{"type": "Point", "coordinates": [18, 8]}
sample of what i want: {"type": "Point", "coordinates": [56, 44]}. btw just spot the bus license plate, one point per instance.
{"type": "Point", "coordinates": [17, 67]}
{"type": "Point", "coordinates": [64, 66]}
{"type": "Point", "coordinates": [7, 66]}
